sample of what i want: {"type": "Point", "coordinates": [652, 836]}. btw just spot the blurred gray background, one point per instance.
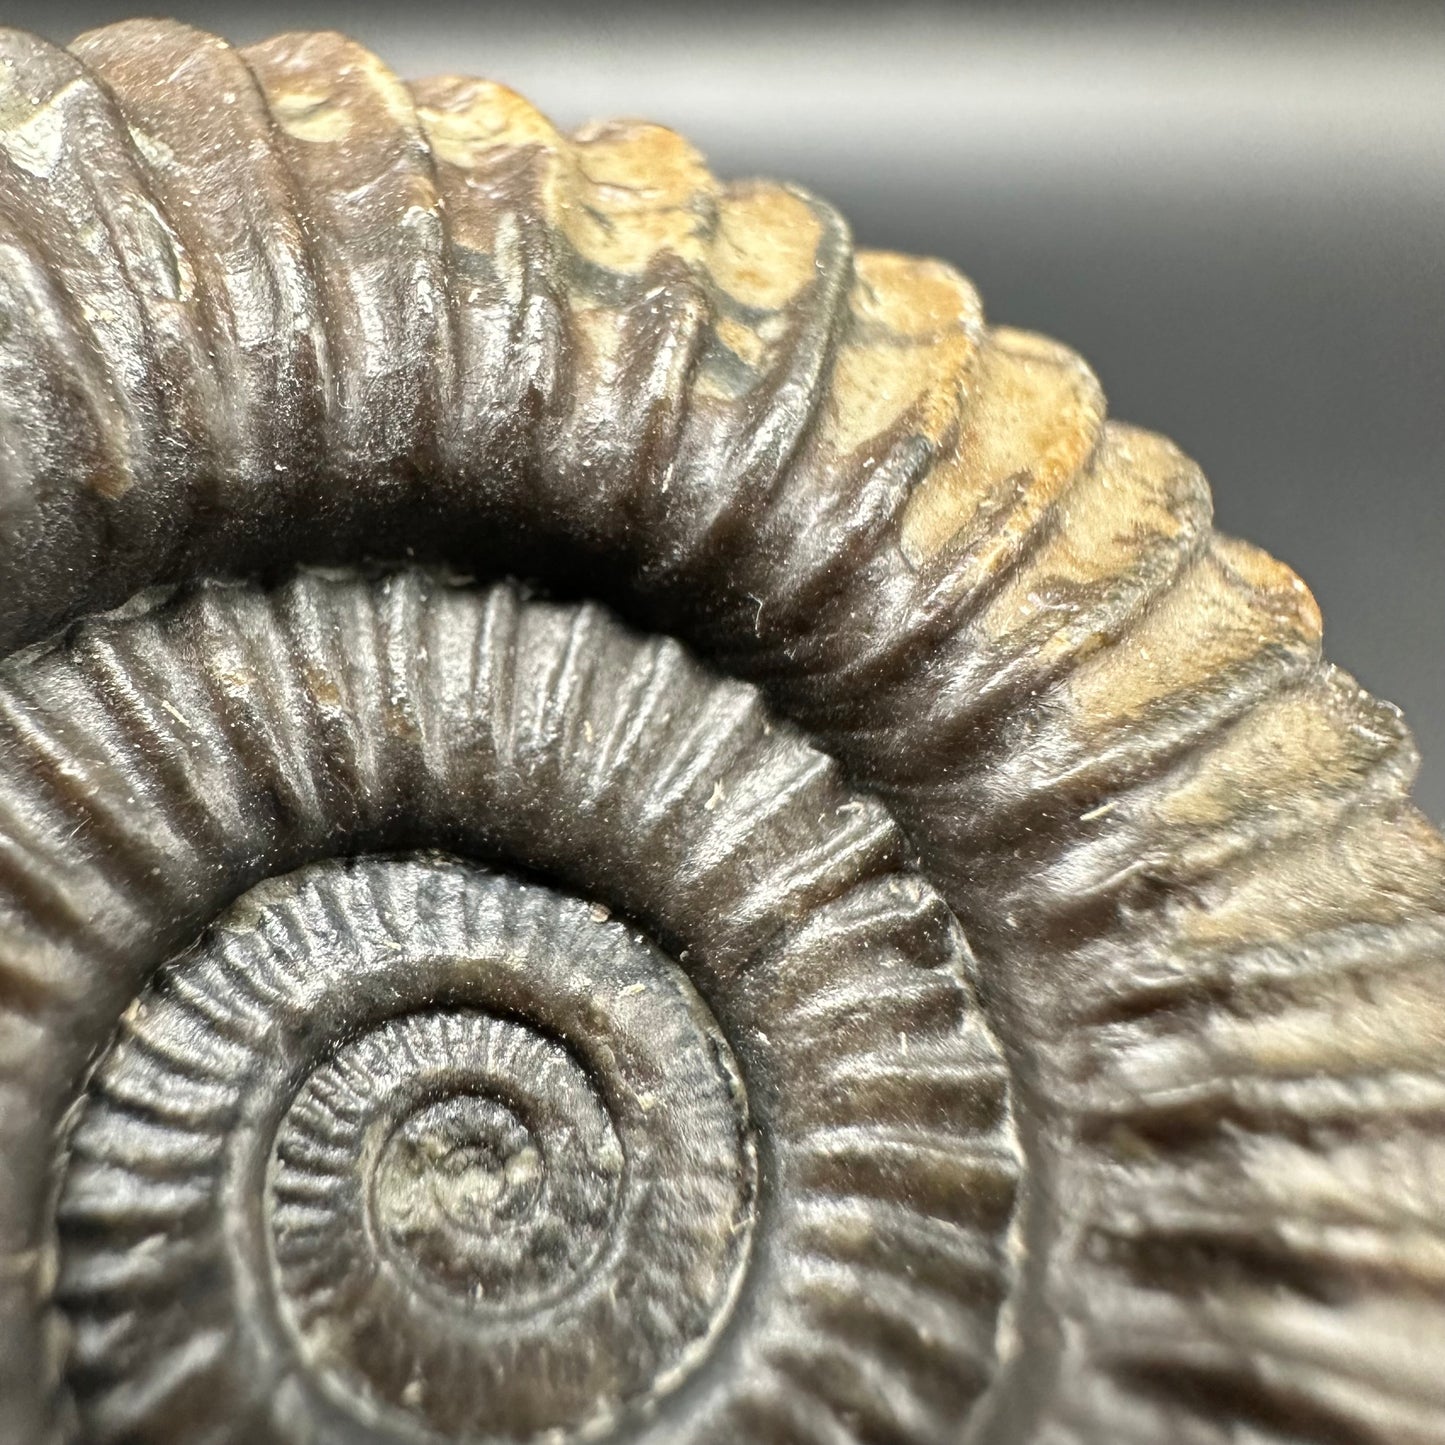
{"type": "Point", "coordinates": [1235, 212]}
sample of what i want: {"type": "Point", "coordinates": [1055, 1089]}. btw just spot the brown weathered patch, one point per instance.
{"type": "Point", "coordinates": [767, 244]}
{"type": "Point", "coordinates": [1031, 421]}
{"type": "Point", "coordinates": [914, 338]}
{"type": "Point", "coordinates": [635, 191]}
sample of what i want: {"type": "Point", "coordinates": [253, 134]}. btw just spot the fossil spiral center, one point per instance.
{"type": "Point", "coordinates": [425, 1148]}
{"type": "Point", "coordinates": [677, 1124]}
{"type": "Point", "coordinates": [459, 1168]}
{"type": "Point", "coordinates": [499, 1191]}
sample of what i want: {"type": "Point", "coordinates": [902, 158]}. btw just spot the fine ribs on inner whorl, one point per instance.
{"type": "Point", "coordinates": [672, 1115]}
{"type": "Point", "coordinates": [884, 931]}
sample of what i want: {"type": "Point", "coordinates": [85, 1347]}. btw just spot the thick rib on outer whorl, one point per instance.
{"type": "Point", "coordinates": [272, 308]}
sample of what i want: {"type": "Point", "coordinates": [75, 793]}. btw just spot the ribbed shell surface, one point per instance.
{"type": "Point", "coordinates": [272, 308]}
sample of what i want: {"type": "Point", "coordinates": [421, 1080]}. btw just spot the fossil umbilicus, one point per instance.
{"type": "Point", "coordinates": [620, 822]}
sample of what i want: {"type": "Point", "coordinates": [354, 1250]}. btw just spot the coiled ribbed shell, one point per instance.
{"type": "Point", "coordinates": [272, 308]}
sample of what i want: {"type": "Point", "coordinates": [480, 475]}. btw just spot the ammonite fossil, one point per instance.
{"type": "Point", "coordinates": [621, 823]}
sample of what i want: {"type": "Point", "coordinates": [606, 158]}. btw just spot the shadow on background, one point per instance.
{"type": "Point", "coordinates": [1237, 216]}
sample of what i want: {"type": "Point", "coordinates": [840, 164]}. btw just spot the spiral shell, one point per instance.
{"type": "Point", "coordinates": [281, 1105]}
{"type": "Point", "coordinates": [888, 931]}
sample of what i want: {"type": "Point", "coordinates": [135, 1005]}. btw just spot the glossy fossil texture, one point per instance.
{"type": "Point", "coordinates": [356, 718]}
{"type": "Point", "coordinates": [1153, 1155]}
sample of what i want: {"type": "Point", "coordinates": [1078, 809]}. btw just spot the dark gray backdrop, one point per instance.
{"type": "Point", "coordinates": [1236, 213]}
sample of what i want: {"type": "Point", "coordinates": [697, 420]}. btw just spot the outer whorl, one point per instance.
{"type": "Point", "coordinates": [432, 1012]}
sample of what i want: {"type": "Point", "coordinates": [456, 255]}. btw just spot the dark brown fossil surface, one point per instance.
{"type": "Point", "coordinates": [618, 822]}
